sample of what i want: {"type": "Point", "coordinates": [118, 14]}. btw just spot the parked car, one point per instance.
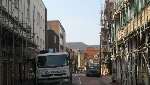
{"type": "Point", "coordinates": [93, 71]}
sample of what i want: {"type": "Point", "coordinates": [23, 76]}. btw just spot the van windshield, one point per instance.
{"type": "Point", "coordinates": [52, 60]}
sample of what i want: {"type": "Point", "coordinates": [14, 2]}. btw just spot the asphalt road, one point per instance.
{"type": "Point", "coordinates": [81, 79]}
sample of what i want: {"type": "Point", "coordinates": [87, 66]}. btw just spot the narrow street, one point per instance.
{"type": "Point", "coordinates": [81, 79]}
{"type": "Point", "coordinates": [65, 42]}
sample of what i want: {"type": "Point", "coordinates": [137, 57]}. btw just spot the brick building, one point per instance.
{"type": "Point", "coordinates": [52, 40]}
{"type": "Point", "coordinates": [91, 53]}
{"type": "Point", "coordinates": [59, 30]}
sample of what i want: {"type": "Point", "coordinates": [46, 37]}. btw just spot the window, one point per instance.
{"type": "Point", "coordinates": [55, 39]}
{"type": "Point", "coordinates": [0, 2]}
{"type": "Point", "coordinates": [28, 1]}
{"type": "Point", "coordinates": [37, 39]}
{"type": "Point", "coordinates": [40, 41]}
{"type": "Point", "coordinates": [43, 42]}
{"type": "Point", "coordinates": [52, 60]}
{"type": "Point", "coordinates": [132, 12]}
{"type": "Point", "coordinates": [147, 1]}
{"type": "Point", "coordinates": [16, 3]}
{"type": "Point", "coordinates": [129, 13]}
{"type": "Point", "coordinates": [28, 10]}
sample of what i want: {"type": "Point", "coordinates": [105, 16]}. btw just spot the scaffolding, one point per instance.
{"type": "Point", "coordinates": [131, 45]}
{"type": "Point", "coordinates": [105, 36]}
{"type": "Point", "coordinates": [15, 43]}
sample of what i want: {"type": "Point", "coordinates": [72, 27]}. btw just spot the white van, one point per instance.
{"type": "Point", "coordinates": [53, 67]}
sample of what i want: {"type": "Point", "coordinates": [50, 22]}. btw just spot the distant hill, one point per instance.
{"type": "Point", "coordinates": [94, 46]}
{"type": "Point", "coordinates": [77, 45]}
{"type": "Point", "coordinates": [80, 45]}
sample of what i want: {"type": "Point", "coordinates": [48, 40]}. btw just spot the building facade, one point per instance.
{"type": "Point", "coordinates": [38, 19]}
{"type": "Point", "coordinates": [57, 27]}
{"type": "Point", "coordinates": [130, 36]}
{"type": "Point", "coordinates": [52, 40]}
{"type": "Point", "coordinates": [91, 55]}
{"type": "Point", "coordinates": [90, 52]}
{"type": "Point", "coordinates": [22, 32]}
{"type": "Point", "coordinates": [105, 35]}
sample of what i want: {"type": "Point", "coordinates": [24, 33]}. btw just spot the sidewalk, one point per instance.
{"type": "Point", "coordinates": [107, 80]}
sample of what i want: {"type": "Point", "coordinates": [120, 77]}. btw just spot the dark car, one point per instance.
{"type": "Point", "coordinates": [93, 71]}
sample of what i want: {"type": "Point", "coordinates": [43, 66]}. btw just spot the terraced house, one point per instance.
{"type": "Point", "coordinates": [131, 42]}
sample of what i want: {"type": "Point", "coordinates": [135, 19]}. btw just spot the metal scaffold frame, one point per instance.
{"type": "Point", "coordinates": [15, 39]}
{"type": "Point", "coordinates": [105, 37]}
{"type": "Point", "coordinates": [132, 46]}
{"type": "Point", "coordinates": [133, 58]}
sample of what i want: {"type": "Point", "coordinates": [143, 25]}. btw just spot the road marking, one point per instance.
{"type": "Point", "coordinates": [80, 81]}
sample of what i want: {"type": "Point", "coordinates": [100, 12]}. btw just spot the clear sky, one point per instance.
{"type": "Point", "coordinates": [80, 18]}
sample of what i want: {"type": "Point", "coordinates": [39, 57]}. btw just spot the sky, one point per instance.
{"type": "Point", "coordinates": [80, 18]}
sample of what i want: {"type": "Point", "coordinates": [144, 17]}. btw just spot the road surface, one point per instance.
{"type": "Point", "coordinates": [81, 79]}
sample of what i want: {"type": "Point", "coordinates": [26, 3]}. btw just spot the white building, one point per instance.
{"type": "Point", "coordinates": [22, 26]}
{"type": "Point", "coordinates": [38, 22]}
{"type": "Point", "coordinates": [30, 13]}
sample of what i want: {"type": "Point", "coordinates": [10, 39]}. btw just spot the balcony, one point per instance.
{"type": "Point", "coordinates": [134, 24]}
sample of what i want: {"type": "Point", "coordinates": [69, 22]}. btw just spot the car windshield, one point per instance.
{"type": "Point", "coordinates": [52, 60]}
{"type": "Point", "coordinates": [94, 66]}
